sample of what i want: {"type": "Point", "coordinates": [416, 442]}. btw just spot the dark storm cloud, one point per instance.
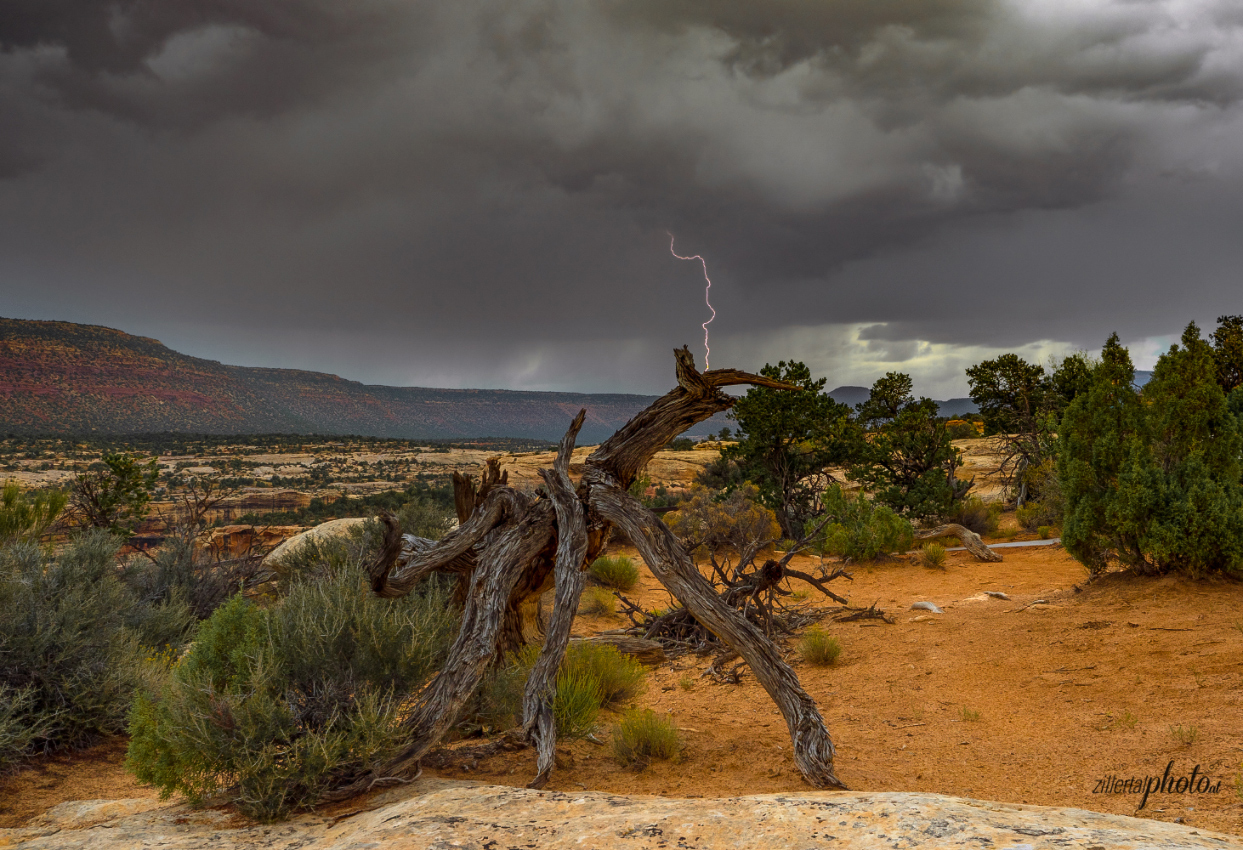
{"type": "Point", "coordinates": [481, 192]}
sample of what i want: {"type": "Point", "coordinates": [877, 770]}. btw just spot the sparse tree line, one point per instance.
{"type": "Point", "coordinates": [1146, 478]}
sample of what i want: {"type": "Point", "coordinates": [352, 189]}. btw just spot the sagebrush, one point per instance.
{"type": "Point", "coordinates": [71, 651]}
{"type": "Point", "coordinates": [274, 707]}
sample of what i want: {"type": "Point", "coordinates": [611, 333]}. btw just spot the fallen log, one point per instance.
{"type": "Point", "coordinates": [648, 652]}
{"type": "Point", "coordinates": [970, 540]}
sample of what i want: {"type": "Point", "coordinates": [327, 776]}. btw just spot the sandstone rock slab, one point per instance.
{"type": "Point", "coordinates": [435, 814]}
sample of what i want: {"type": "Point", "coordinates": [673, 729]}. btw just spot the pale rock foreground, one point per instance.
{"type": "Point", "coordinates": [441, 815]}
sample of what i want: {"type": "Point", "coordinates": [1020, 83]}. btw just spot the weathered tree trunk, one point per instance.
{"type": "Point", "coordinates": [970, 540]}
{"type": "Point", "coordinates": [537, 716]}
{"type": "Point", "coordinates": [508, 543]}
{"type": "Point", "coordinates": [813, 749]}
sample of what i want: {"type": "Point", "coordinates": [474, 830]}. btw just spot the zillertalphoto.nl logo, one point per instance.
{"type": "Point", "coordinates": [1195, 783]}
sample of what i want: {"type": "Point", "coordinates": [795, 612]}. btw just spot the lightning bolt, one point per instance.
{"type": "Point", "coordinates": [707, 292]}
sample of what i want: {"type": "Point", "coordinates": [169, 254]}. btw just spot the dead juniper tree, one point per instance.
{"type": "Point", "coordinates": [511, 546]}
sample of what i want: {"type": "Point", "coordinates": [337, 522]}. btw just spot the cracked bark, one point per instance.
{"type": "Point", "coordinates": [508, 542]}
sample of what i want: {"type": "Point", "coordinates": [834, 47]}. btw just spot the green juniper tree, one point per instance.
{"type": "Point", "coordinates": [907, 459]}
{"type": "Point", "coordinates": [117, 496]}
{"type": "Point", "coordinates": [786, 439]}
{"type": "Point", "coordinates": [1021, 406]}
{"type": "Point", "coordinates": [1152, 480]}
{"type": "Point", "coordinates": [1228, 352]}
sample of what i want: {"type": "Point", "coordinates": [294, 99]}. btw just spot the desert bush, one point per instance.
{"type": "Point", "coordinates": [611, 676]}
{"type": "Point", "coordinates": [620, 677]}
{"type": "Point", "coordinates": [69, 659]}
{"type": "Point", "coordinates": [179, 573]}
{"type": "Point", "coordinates": [818, 647]}
{"type": "Point", "coordinates": [575, 705]}
{"type": "Point", "coordinates": [25, 515]}
{"type": "Point", "coordinates": [617, 572]}
{"type": "Point", "coordinates": [318, 558]}
{"type": "Point", "coordinates": [1044, 531]}
{"type": "Point", "coordinates": [959, 430]}
{"type": "Point", "coordinates": [426, 517]}
{"type": "Point", "coordinates": [933, 555]}
{"type": "Point", "coordinates": [710, 522]}
{"type": "Point", "coordinates": [596, 602]}
{"type": "Point", "coordinates": [1045, 503]}
{"type": "Point", "coordinates": [276, 706]}
{"type": "Point", "coordinates": [1035, 514]}
{"type": "Point", "coordinates": [860, 529]}
{"type": "Point", "coordinates": [20, 724]}
{"type": "Point", "coordinates": [977, 515]}
{"type": "Point", "coordinates": [641, 736]}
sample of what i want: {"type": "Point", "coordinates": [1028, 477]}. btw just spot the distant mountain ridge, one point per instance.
{"type": "Point", "coordinates": [61, 378]}
{"type": "Point", "coordinates": [857, 395]}
{"type": "Point", "coordinates": [950, 407]}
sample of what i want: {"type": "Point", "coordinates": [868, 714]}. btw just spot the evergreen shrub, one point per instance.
{"type": "Point", "coordinates": [860, 529]}
{"type": "Point", "coordinates": [1151, 481]}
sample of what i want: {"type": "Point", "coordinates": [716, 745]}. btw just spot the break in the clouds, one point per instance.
{"type": "Point", "coordinates": [468, 194]}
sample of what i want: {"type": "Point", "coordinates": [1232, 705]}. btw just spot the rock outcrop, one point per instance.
{"type": "Point", "coordinates": [435, 814]}
{"type": "Point", "coordinates": [321, 532]}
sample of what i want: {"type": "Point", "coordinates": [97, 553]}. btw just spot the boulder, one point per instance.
{"type": "Point", "coordinates": [323, 531]}
{"type": "Point", "coordinates": [435, 814]}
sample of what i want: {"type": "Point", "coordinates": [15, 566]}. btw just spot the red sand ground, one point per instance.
{"type": "Point", "coordinates": [1088, 685]}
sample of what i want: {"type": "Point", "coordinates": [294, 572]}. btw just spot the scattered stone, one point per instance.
{"type": "Point", "coordinates": [996, 594]}
{"type": "Point", "coordinates": [926, 606]}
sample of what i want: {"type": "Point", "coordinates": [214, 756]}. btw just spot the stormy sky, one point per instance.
{"type": "Point", "coordinates": [478, 194]}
